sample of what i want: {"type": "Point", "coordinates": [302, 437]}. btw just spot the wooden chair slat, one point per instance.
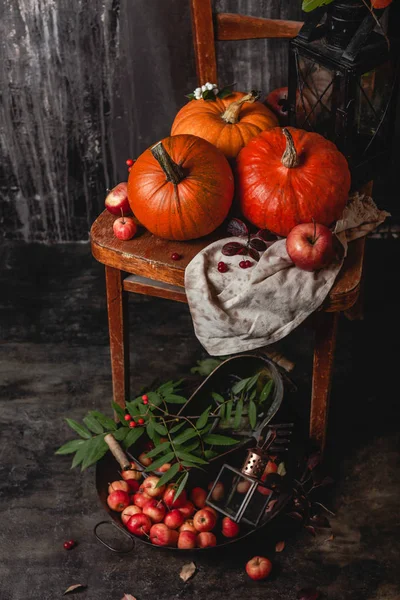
{"type": "Point", "coordinates": [203, 41]}
{"type": "Point", "coordinates": [242, 27]}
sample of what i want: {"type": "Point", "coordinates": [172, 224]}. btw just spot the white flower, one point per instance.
{"type": "Point", "coordinates": [210, 86]}
{"type": "Point", "coordinates": [215, 90]}
{"type": "Point", "coordinates": [197, 95]}
{"type": "Point", "coordinates": [197, 91]}
{"type": "Point", "coordinates": [203, 88]}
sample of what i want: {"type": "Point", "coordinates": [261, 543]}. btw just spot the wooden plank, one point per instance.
{"type": "Point", "coordinates": [149, 287]}
{"type": "Point", "coordinates": [346, 289]}
{"type": "Point", "coordinates": [242, 27]}
{"type": "Point", "coordinates": [203, 41]}
{"type": "Point", "coordinates": [119, 336]}
{"type": "Point", "coordinates": [324, 351]}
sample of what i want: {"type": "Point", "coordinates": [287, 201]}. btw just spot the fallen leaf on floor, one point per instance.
{"type": "Point", "coordinates": [308, 594]}
{"type": "Point", "coordinates": [128, 597]}
{"type": "Point", "coordinates": [74, 588]}
{"type": "Point", "coordinates": [330, 538]}
{"type": "Point", "coordinates": [279, 546]}
{"type": "Point", "coordinates": [310, 529]}
{"type": "Point", "coordinates": [187, 571]}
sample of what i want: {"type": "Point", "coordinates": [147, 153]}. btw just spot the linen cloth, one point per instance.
{"type": "Point", "coordinates": [245, 309]}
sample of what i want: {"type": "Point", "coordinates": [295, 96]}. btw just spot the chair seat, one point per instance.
{"type": "Point", "coordinates": [150, 258]}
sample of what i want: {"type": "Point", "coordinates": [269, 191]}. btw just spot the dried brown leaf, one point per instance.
{"type": "Point", "coordinates": [330, 538]}
{"type": "Point", "coordinates": [187, 571]}
{"type": "Point", "coordinates": [75, 588]}
{"type": "Point", "coordinates": [232, 248]}
{"type": "Point", "coordinates": [236, 227]}
{"type": "Point", "coordinates": [280, 546]}
{"type": "Point", "coordinates": [310, 529]}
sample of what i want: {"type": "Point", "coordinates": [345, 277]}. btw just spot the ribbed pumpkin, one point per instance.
{"type": "Point", "coordinates": [228, 123]}
{"type": "Point", "coordinates": [290, 176]}
{"type": "Point", "coordinates": [181, 188]}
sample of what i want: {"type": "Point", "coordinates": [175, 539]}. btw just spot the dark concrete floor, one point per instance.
{"type": "Point", "coordinates": [54, 362]}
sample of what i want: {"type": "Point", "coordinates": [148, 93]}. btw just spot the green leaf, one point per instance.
{"type": "Point", "coordinates": [133, 409]}
{"type": "Point", "coordinates": [119, 411]}
{"type": "Point", "coordinates": [206, 366]}
{"type": "Point", "coordinates": [160, 461]}
{"type": "Point", "coordinates": [132, 437]}
{"type": "Point", "coordinates": [266, 391]}
{"type": "Point", "coordinates": [205, 429]}
{"type": "Point", "coordinates": [188, 447]}
{"type": "Point", "coordinates": [187, 463]}
{"type": "Point", "coordinates": [161, 429]}
{"type": "Point", "coordinates": [226, 91]}
{"type": "Point", "coordinates": [185, 436]}
{"type": "Point", "coordinates": [238, 414]}
{"type": "Point", "coordinates": [80, 455]}
{"type": "Point", "coordinates": [160, 448]}
{"type": "Point", "coordinates": [121, 433]}
{"type": "Point", "coordinates": [209, 454]}
{"type": "Point", "coordinates": [229, 406]}
{"type": "Point", "coordinates": [202, 420]}
{"type": "Point", "coordinates": [218, 398]}
{"type": "Point", "coordinates": [240, 386]}
{"type": "Point", "coordinates": [79, 429]}
{"type": "Point", "coordinates": [253, 395]}
{"type": "Point", "coordinates": [70, 447]}
{"type": "Point", "coordinates": [221, 411]}
{"type": "Point", "coordinates": [174, 399]}
{"type": "Point", "coordinates": [154, 398]}
{"type": "Point", "coordinates": [96, 449]}
{"type": "Point", "coordinates": [107, 423]}
{"type": "Point", "coordinates": [252, 414]}
{"type": "Point", "coordinates": [252, 382]}
{"type": "Point", "coordinates": [92, 424]}
{"type": "Point", "coordinates": [150, 429]}
{"type": "Point", "coordinates": [168, 475]}
{"type": "Point", "coordinates": [209, 95]}
{"type": "Point", "coordinates": [191, 457]}
{"type": "Point", "coordinates": [309, 5]}
{"type": "Point", "coordinates": [219, 440]}
{"type": "Point", "coordinates": [177, 427]}
{"type": "Point", "coordinates": [190, 96]}
{"type": "Point", "coordinates": [180, 485]}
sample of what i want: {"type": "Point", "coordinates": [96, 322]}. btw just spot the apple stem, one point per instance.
{"type": "Point", "coordinates": [231, 114]}
{"type": "Point", "coordinates": [289, 157]}
{"type": "Point", "coordinates": [173, 171]}
{"type": "Point", "coordinates": [122, 217]}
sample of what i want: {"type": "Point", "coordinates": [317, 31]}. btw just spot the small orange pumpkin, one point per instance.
{"type": "Point", "coordinates": [228, 123]}
{"type": "Point", "coordinates": [181, 188]}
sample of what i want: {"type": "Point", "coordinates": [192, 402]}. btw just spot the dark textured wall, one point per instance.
{"type": "Point", "coordinates": [86, 85]}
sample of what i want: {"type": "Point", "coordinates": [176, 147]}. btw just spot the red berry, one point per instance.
{"type": "Point", "coordinates": [130, 162]}
{"type": "Point", "coordinates": [175, 256]}
{"type": "Point", "coordinates": [141, 421]}
{"type": "Point", "coordinates": [69, 545]}
{"type": "Point", "coordinates": [248, 263]}
{"type": "Point", "coordinates": [127, 417]}
{"type": "Point", "coordinates": [132, 424]}
{"type": "Point", "coordinates": [243, 264]}
{"type": "Point", "coordinates": [145, 397]}
{"type": "Point", "coordinates": [129, 168]}
{"type": "Point", "coordinates": [222, 267]}
{"type": "Point", "coordinates": [72, 543]}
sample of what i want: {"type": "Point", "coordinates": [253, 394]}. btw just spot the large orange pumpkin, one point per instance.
{"type": "Point", "coordinates": [290, 176]}
{"type": "Point", "coordinates": [228, 123]}
{"type": "Point", "coordinates": [181, 188]}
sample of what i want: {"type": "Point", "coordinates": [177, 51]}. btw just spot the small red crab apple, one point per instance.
{"type": "Point", "coordinates": [161, 535]}
{"type": "Point", "coordinates": [198, 497]}
{"type": "Point", "coordinates": [140, 498]}
{"type": "Point", "coordinates": [118, 485]}
{"type": "Point", "coordinates": [117, 202]}
{"type": "Point", "coordinates": [132, 473]}
{"type": "Point", "coordinates": [169, 495]}
{"type": "Point", "coordinates": [149, 486]}
{"type": "Point", "coordinates": [204, 520]}
{"type": "Point", "coordinates": [124, 228]}
{"type": "Point", "coordinates": [258, 567]}
{"type": "Point", "coordinates": [206, 539]}
{"type": "Point", "coordinates": [139, 524]}
{"type": "Point", "coordinates": [187, 540]}
{"type": "Point", "coordinates": [118, 500]}
{"type": "Point", "coordinates": [230, 529]}
{"type": "Point", "coordinates": [218, 492]}
{"type": "Point", "coordinates": [128, 512]}
{"type": "Point", "coordinates": [174, 519]}
{"type": "Point", "coordinates": [154, 509]}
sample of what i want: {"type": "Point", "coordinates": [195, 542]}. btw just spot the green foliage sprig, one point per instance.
{"type": "Point", "coordinates": [309, 5]}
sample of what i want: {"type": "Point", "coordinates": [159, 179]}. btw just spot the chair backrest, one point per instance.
{"type": "Point", "coordinates": [208, 27]}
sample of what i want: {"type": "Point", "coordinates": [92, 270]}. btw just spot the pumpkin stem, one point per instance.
{"type": "Point", "coordinates": [231, 115]}
{"type": "Point", "coordinates": [289, 157]}
{"type": "Point", "coordinates": [173, 172]}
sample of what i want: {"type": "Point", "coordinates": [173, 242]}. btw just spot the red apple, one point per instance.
{"type": "Point", "coordinates": [133, 485]}
{"type": "Point", "coordinates": [270, 468]}
{"type": "Point", "coordinates": [140, 498]}
{"type": "Point", "coordinates": [187, 540]}
{"type": "Point", "coordinates": [154, 509]}
{"type": "Point", "coordinates": [124, 228]}
{"type": "Point", "coordinates": [132, 473]}
{"type": "Point", "coordinates": [310, 246]}
{"type": "Point", "coordinates": [149, 486]}
{"type": "Point", "coordinates": [139, 524]}
{"type": "Point", "coordinates": [211, 509]}
{"type": "Point", "coordinates": [277, 101]}
{"type": "Point", "coordinates": [204, 520]}
{"type": "Point", "coordinates": [165, 467]}
{"type": "Point", "coordinates": [230, 529]}
{"type": "Point", "coordinates": [145, 460]}
{"type": "Point", "coordinates": [161, 535]}
{"type": "Point", "coordinates": [169, 498]}
{"type": "Point", "coordinates": [198, 497]}
{"type": "Point", "coordinates": [218, 492]}
{"type": "Point", "coordinates": [118, 500]}
{"type": "Point", "coordinates": [206, 539]}
{"type": "Point", "coordinates": [187, 509]}
{"type": "Point", "coordinates": [188, 526]}
{"type": "Point", "coordinates": [243, 486]}
{"type": "Point", "coordinates": [258, 567]}
{"type": "Point", "coordinates": [128, 512]}
{"type": "Point", "coordinates": [117, 202]}
{"type": "Point", "coordinates": [118, 485]}
{"type": "Point", "coordinates": [174, 519]}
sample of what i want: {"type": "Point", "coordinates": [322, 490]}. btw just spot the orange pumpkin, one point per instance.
{"type": "Point", "coordinates": [290, 176]}
{"type": "Point", "coordinates": [181, 188]}
{"type": "Point", "coordinates": [228, 123]}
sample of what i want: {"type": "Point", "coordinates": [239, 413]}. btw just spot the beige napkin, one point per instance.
{"type": "Point", "coordinates": [245, 309]}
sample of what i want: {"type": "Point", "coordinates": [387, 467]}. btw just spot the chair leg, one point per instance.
{"type": "Point", "coordinates": [324, 351]}
{"type": "Point", "coordinates": [119, 338]}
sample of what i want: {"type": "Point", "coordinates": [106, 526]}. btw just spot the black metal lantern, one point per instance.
{"type": "Point", "coordinates": [343, 80]}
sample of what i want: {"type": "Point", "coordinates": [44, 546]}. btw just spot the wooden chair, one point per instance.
{"type": "Point", "coordinates": [143, 264]}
